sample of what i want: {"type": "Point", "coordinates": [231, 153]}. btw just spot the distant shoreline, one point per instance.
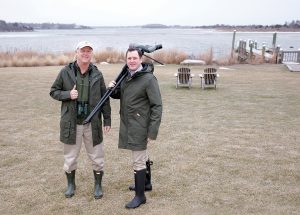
{"type": "Point", "coordinates": [29, 27]}
{"type": "Point", "coordinates": [293, 26]}
{"type": "Point", "coordinates": [258, 30]}
{"type": "Point", "coordinates": [220, 29]}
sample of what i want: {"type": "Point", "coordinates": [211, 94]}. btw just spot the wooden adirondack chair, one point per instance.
{"type": "Point", "coordinates": [209, 78]}
{"type": "Point", "coordinates": [184, 77]}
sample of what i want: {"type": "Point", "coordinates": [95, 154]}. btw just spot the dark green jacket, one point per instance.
{"type": "Point", "coordinates": [140, 109]}
{"type": "Point", "coordinates": [60, 91]}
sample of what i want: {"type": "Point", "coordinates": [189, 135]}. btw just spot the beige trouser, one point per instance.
{"type": "Point", "coordinates": [95, 153]}
{"type": "Point", "coordinates": [139, 159]}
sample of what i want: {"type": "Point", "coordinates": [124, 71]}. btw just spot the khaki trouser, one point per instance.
{"type": "Point", "coordinates": [139, 159]}
{"type": "Point", "coordinates": [95, 153]}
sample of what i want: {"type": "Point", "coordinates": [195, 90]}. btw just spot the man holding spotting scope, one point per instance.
{"type": "Point", "coordinates": [140, 116]}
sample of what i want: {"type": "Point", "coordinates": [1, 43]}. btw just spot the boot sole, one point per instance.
{"type": "Point", "coordinates": [69, 196]}
{"type": "Point", "coordinates": [98, 197]}
{"type": "Point", "coordinates": [146, 190]}
{"type": "Point", "coordinates": [136, 206]}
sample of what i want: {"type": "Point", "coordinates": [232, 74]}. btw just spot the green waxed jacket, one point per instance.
{"type": "Point", "coordinates": [60, 90]}
{"type": "Point", "coordinates": [140, 109]}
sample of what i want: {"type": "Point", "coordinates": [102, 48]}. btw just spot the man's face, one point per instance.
{"type": "Point", "coordinates": [84, 55]}
{"type": "Point", "coordinates": [133, 60]}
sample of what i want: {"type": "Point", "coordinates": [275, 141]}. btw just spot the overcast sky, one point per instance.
{"type": "Point", "coordinates": [140, 12]}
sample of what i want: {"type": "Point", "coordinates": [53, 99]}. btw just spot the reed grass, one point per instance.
{"type": "Point", "coordinates": [207, 56]}
{"type": "Point", "coordinates": [172, 56]}
{"type": "Point", "coordinates": [30, 58]}
{"type": "Point", "coordinates": [108, 55]}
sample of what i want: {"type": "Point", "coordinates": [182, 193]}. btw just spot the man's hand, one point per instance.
{"type": "Point", "coordinates": [112, 84]}
{"type": "Point", "coordinates": [74, 93]}
{"type": "Point", "coordinates": [106, 129]}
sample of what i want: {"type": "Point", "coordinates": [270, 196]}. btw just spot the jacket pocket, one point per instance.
{"type": "Point", "coordinates": [137, 130]}
{"type": "Point", "coordinates": [140, 119]}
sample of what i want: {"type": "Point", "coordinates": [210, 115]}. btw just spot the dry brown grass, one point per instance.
{"type": "Point", "coordinates": [207, 56]}
{"type": "Point", "coordinates": [30, 58]}
{"type": "Point", "coordinates": [227, 60]}
{"type": "Point", "coordinates": [234, 150]}
{"type": "Point", "coordinates": [109, 55]}
{"type": "Point", "coordinates": [172, 56]}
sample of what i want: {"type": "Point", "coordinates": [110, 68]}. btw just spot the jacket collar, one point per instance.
{"type": "Point", "coordinates": [147, 68]}
{"type": "Point", "coordinates": [74, 69]}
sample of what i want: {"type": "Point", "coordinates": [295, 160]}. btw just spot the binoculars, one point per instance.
{"type": "Point", "coordinates": [82, 108]}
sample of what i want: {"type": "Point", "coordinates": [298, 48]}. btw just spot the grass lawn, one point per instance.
{"type": "Point", "coordinates": [233, 150]}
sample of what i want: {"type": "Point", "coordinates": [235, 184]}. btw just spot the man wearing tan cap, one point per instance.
{"type": "Point", "coordinates": [79, 86]}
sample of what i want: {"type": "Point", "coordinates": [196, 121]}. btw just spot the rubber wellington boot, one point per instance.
{"type": "Point", "coordinates": [148, 184]}
{"type": "Point", "coordinates": [140, 198]}
{"type": "Point", "coordinates": [71, 184]}
{"type": "Point", "coordinates": [98, 194]}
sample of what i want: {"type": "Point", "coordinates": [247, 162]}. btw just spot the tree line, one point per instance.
{"type": "Point", "coordinates": [287, 26]}
{"type": "Point", "coordinates": [14, 26]}
{"type": "Point", "coordinates": [18, 26]}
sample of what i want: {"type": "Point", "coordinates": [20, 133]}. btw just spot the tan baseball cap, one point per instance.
{"type": "Point", "coordinates": [82, 44]}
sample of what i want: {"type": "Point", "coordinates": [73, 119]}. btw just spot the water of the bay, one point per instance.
{"type": "Point", "coordinates": [191, 41]}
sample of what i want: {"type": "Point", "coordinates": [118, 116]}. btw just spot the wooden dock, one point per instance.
{"type": "Point", "coordinates": [293, 67]}
{"type": "Point", "coordinates": [248, 50]}
{"type": "Point", "coordinates": [260, 52]}
{"type": "Point", "coordinates": [291, 59]}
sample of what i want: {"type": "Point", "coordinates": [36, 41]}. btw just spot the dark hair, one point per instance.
{"type": "Point", "coordinates": [140, 53]}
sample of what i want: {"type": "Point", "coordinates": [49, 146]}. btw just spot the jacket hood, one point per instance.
{"type": "Point", "coordinates": [147, 68]}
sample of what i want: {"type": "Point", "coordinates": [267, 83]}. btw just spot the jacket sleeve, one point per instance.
{"type": "Point", "coordinates": [116, 94]}
{"type": "Point", "coordinates": [106, 109]}
{"type": "Point", "coordinates": [57, 92]}
{"type": "Point", "coordinates": [155, 101]}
